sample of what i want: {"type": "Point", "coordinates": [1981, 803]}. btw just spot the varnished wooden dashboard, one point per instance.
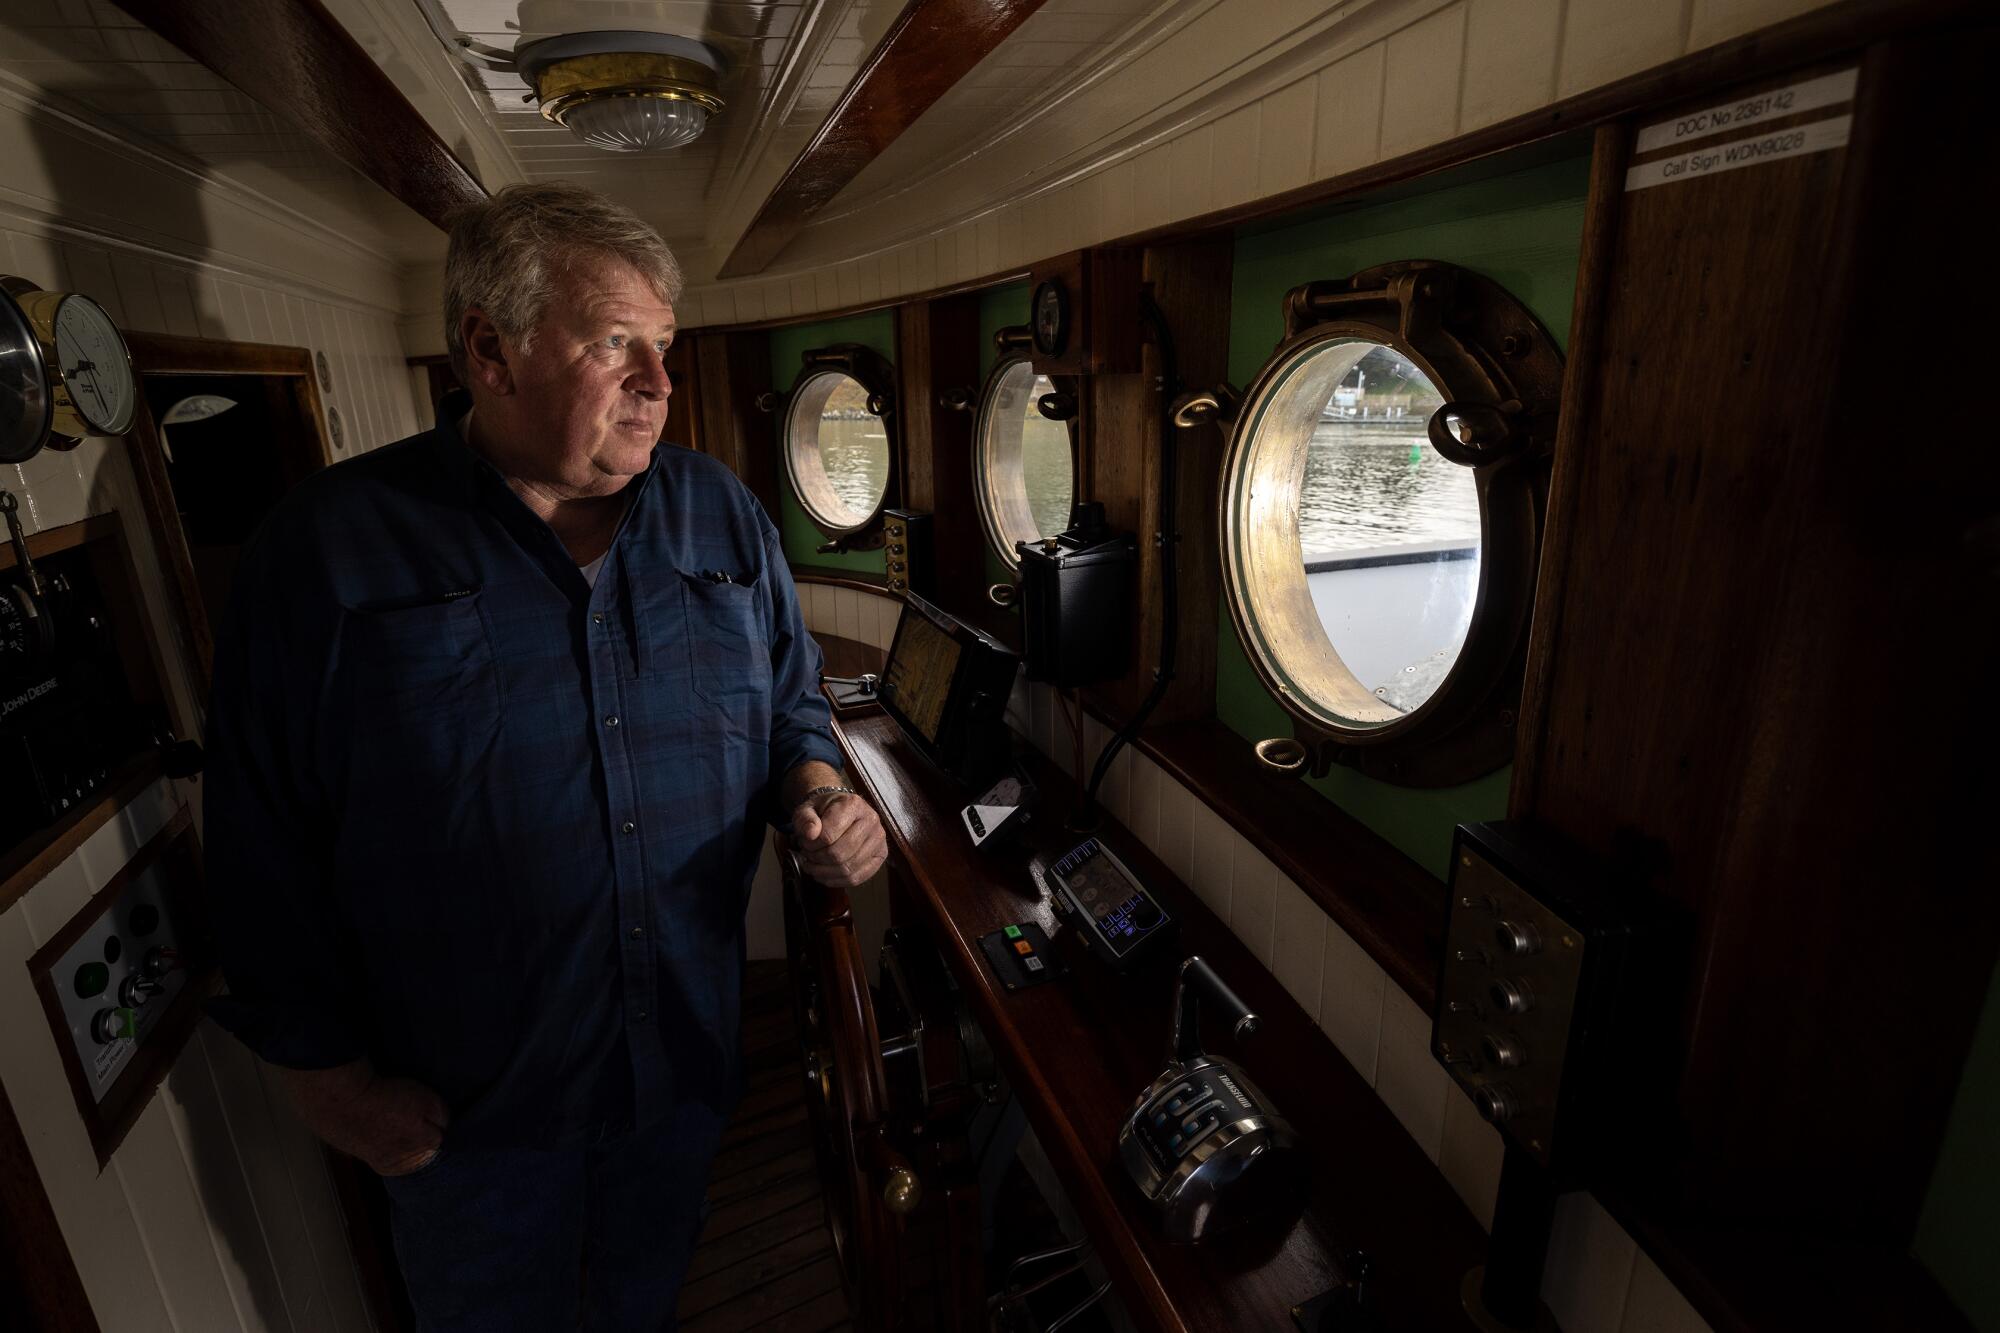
{"type": "Point", "coordinates": [1078, 1052]}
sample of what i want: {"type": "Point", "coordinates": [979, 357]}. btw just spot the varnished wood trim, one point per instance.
{"type": "Point", "coordinates": [171, 354]}
{"type": "Point", "coordinates": [930, 47]}
{"type": "Point", "coordinates": [1581, 376]}
{"type": "Point", "coordinates": [53, 541]}
{"type": "Point", "coordinates": [296, 59]}
{"type": "Point", "coordinates": [1838, 28]}
{"type": "Point", "coordinates": [166, 354]}
{"type": "Point", "coordinates": [23, 867]}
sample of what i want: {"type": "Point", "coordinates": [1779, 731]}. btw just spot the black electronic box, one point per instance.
{"type": "Point", "coordinates": [1076, 601]}
{"type": "Point", "coordinates": [946, 685]}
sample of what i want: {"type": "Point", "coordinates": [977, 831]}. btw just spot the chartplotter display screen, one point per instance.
{"type": "Point", "coordinates": [918, 677]}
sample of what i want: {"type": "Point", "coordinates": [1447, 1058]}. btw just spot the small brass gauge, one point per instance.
{"type": "Point", "coordinates": [85, 367]}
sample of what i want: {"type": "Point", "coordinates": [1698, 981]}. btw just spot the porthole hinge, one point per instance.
{"type": "Point", "coordinates": [1420, 292]}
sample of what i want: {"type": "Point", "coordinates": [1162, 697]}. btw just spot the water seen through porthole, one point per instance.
{"type": "Point", "coordinates": [854, 449]}
{"type": "Point", "coordinates": [1388, 530]}
{"type": "Point", "coordinates": [1372, 478]}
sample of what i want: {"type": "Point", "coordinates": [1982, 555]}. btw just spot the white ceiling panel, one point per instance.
{"type": "Point", "coordinates": [93, 57]}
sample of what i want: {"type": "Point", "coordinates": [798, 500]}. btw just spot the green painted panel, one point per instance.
{"type": "Point", "coordinates": [998, 308]}
{"type": "Point", "coordinates": [1959, 1232]}
{"type": "Point", "coordinates": [1521, 229]}
{"type": "Point", "coordinates": [875, 330]}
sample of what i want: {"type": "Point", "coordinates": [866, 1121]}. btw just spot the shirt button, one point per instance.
{"type": "Point", "coordinates": [643, 1015]}
{"type": "Point", "coordinates": [597, 617]}
{"type": "Point", "coordinates": [627, 826]}
{"type": "Point", "coordinates": [611, 720]}
{"type": "Point", "coordinates": [638, 932]}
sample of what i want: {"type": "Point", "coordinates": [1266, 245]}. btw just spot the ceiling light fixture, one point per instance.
{"type": "Point", "coordinates": [623, 91]}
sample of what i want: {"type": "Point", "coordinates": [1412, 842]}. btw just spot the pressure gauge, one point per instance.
{"type": "Point", "coordinates": [86, 368]}
{"type": "Point", "coordinates": [95, 366]}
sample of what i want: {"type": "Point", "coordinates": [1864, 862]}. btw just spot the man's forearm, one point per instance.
{"type": "Point", "coordinates": [809, 776]}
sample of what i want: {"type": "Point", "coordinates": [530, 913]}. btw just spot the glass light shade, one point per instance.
{"type": "Point", "coordinates": [636, 124]}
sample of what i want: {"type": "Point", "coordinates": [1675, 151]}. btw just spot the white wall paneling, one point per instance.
{"type": "Point", "coordinates": [216, 1212]}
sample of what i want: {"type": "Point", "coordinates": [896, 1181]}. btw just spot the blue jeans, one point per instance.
{"type": "Point", "coordinates": [598, 1238]}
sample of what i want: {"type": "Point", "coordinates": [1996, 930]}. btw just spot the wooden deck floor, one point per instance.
{"type": "Point", "coordinates": [765, 1260]}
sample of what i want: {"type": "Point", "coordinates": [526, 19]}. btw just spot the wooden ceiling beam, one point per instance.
{"type": "Point", "coordinates": [931, 46]}
{"type": "Point", "coordinates": [295, 59]}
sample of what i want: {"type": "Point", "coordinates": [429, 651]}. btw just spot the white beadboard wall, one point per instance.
{"type": "Point", "coordinates": [1597, 1281]}
{"type": "Point", "coordinates": [216, 1214]}
{"type": "Point", "coordinates": [1287, 96]}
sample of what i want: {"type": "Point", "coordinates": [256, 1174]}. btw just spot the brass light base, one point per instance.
{"type": "Point", "coordinates": [1484, 1319]}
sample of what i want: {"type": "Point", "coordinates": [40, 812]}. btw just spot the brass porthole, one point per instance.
{"type": "Point", "coordinates": [1024, 463]}
{"type": "Point", "coordinates": [1381, 510]}
{"type": "Point", "coordinates": [840, 443]}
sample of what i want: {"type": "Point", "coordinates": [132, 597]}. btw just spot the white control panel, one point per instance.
{"type": "Point", "coordinates": [119, 978]}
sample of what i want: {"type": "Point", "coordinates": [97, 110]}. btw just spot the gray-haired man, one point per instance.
{"type": "Point", "coordinates": [500, 713]}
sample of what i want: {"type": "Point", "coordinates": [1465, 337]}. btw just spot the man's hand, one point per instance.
{"type": "Point", "coordinates": [840, 840]}
{"type": "Point", "coordinates": [393, 1124]}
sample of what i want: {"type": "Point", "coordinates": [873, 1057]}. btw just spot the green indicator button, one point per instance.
{"type": "Point", "coordinates": [91, 979]}
{"type": "Point", "coordinates": [1012, 932]}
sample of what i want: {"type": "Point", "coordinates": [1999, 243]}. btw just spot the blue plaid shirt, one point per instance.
{"type": "Point", "coordinates": [488, 825]}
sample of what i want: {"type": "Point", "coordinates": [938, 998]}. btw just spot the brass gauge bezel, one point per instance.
{"type": "Point", "coordinates": [1500, 374]}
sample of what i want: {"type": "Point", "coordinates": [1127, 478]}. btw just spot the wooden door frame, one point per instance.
{"type": "Point", "coordinates": [166, 354]}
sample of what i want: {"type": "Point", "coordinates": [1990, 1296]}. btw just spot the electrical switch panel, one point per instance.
{"type": "Point", "coordinates": [1540, 994]}
{"type": "Point", "coordinates": [118, 978]}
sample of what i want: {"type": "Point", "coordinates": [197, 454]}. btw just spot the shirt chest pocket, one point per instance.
{"type": "Point", "coordinates": [423, 695]}
{"type": "Point", "coordinates": [708, 632]}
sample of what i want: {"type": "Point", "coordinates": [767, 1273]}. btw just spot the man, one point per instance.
{"type": "Point", "coordinates": [500, 712]}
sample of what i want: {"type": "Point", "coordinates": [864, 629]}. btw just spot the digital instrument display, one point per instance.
{"type": "Point", "coordinates": [918, 676]}
{"type": "Point", "coordinates": [946, 686]}
{"type": "Point", "coordinates": [1118, 912]}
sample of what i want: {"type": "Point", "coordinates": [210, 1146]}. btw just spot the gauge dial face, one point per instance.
{"type": "Point", "coordinates": [95, 366]}
{"type": "Point", "coordinates": [26, 406]}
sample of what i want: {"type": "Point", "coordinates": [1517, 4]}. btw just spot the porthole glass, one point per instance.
{"type": "Point", "coordinates": [1357, 545]}
{"type": "Point", "coordinates": [1026, 467]}
{"type": "Point", "coordinates": [836, 450]}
